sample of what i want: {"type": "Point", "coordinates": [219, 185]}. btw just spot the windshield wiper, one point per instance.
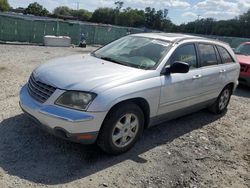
{"type": "Point", "coordinates": [93, 54]}
{"type": "Point", "coordinates": [113, 60]}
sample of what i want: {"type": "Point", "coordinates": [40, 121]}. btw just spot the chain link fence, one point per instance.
{"type": "Point", "coordinates": [32, 29]}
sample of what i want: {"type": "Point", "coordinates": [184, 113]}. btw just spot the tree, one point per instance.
{"type": "Point", "coordinates": [119, 5]}
{"type": "Point", "coordinates": [168, 26]}
{"type": "Point", "coordinates": [62, 11]}
{"type": "Point", "coordinates": [149, 17]}
{"type": "Point", "coordinates": [131, 18]}
{"type": "Point", "coordinates": [157, 19]}
{"type": "Point", "coordinates": [36, 9]}
{"type": "Point", "coordinates": [165, 13]}
{"type": "Point", "coordinates": [104, 15]}
{"type": "Point", "coordinates": [4, 5]}
{"type": "Point", "coordinates": [244, 22]}
{"type": "Point", "coordinates": [82, 14]}
{"type": "Point", "coordinates": [18, 10]}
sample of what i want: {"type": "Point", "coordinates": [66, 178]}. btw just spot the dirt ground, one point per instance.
{"type": "Point", "coordinates": [198, 150]}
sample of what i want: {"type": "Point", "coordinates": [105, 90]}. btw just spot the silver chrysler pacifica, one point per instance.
{"type": "Point", "coordinates": [111, 95]}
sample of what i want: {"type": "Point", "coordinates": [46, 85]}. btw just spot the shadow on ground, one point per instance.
{"type": "Point", "coordinates": [34, 155]}
{"type": "Point", "coordinates": [242, 91]}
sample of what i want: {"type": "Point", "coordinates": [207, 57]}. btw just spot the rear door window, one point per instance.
{"type": "Point", "coordinates": [207, 55]}
{"type": "Point", "coordinates": [225, 56]}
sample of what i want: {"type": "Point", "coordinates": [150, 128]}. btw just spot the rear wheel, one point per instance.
{"type": "Point", "coordinates": [222, 101]}
{"type": "Point", "coordinates": [121, 129]}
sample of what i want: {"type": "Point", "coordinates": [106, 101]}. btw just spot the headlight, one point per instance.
{"type": "Point", "coordinates": [75, 99]}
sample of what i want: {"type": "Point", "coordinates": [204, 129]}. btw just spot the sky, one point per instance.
{"type": "Point", "coordinates": [180, 11]}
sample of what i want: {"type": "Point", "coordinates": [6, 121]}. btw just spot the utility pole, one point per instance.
{"type": "Point", "coordinates": [198, 18]}
{"type": "Point", "coordinates": [77, 10]}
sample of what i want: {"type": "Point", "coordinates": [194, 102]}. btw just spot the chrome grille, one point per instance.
{"type": "Point", "coordinates": [38, 90]}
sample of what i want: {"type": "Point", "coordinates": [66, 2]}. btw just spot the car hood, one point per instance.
{"type": "Point", "coordinates": [243, 59]}
{"type": "Point", "coordinates": [87, 73]}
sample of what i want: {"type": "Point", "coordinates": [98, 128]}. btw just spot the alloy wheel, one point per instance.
{"type": "Point", "coordinates": [224, 98]}
{"type": "Point", "coordinates": [125, 130]}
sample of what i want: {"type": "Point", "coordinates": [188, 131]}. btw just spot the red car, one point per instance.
{"type": "Point", "coordinates": [243, 55]}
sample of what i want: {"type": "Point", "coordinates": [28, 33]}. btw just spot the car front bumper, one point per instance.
{"type": "Point", "coordinates": [77, 126]}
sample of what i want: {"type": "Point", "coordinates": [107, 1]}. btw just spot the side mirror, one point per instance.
{"type": "Point", "coordinates": [178, 67]}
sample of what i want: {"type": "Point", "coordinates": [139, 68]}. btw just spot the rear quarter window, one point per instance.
{"type": "Point", "coordinates": [225, 56]}
{"type": "Point", "coordinates": [207, 55]}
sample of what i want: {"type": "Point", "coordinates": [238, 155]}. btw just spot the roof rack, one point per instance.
{"type": "Point", "coordinates": [202, 38]}
{"type": "Point", "coordinates": [185, 38]}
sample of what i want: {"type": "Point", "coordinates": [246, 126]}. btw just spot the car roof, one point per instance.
{"type": "Point", "coordinates": [178, 37]}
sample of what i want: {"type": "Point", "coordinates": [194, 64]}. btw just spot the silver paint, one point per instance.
{"type": "Point", "coordinates": [114, 83]}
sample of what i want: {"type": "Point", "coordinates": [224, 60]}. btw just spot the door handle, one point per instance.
{"type": "Point", "coordinates": [223, 70]}
{"type": "Point", "coordinates": [197, 76]}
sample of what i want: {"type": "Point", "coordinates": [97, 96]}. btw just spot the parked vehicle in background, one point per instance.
{"type": "Point", "coordinates": [243, 55]}
{"type": "Point", "coordinates": [113, 94]}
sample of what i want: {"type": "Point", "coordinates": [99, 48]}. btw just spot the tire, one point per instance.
{"type": "Point", "coordinates": [82, 45]}
{"type": "Point", "coordinates": [126, 119]}
{"type": "Point", "coordinates": [222, 101]}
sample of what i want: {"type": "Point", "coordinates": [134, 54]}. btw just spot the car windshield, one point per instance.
{"type": "Point", "coordinates": [134, 51]}
{"type": "Point", "coordinates": [243, 49]}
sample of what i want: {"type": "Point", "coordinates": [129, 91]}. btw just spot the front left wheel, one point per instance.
{"type": "Point", "coordinates": [121, 128]}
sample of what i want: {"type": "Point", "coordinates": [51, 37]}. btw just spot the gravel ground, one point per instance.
{"type": "Point", "coordinates": [198, 150]}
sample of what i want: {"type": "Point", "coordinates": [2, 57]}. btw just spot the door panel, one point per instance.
{"type": "Point", "coordinates": [212, 79]}
{"type": "Point", "coordinates": [179, 91]}
{"type": "Point", "coordinates": [211, 71]}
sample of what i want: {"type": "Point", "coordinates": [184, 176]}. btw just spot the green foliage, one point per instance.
{"type": "Point", "coordinates": [17, 10]}
{"type": "Point", "coordinates": [36, 9]}
{"type": "Point", "coordinates": [4, 5]}
{"type": "Point", "coordinates": [150, 18]}
{"type": "Point", "coordinates": [157, 20]}
{"type": "Point", "coordinates": [119, 5]}
{"type": "Point", "coordinates": [131, 17]}
{"type": "Point", "coordinates": [238, 27]}
{"type": "Point", "coordinates": [104, 15]}
{"type": "Point", "coordinates": [62, 11]}
{"type": "Point", "coordinates": [82, 14]}
{"type": "Point", "coordinates": [244, 21]}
